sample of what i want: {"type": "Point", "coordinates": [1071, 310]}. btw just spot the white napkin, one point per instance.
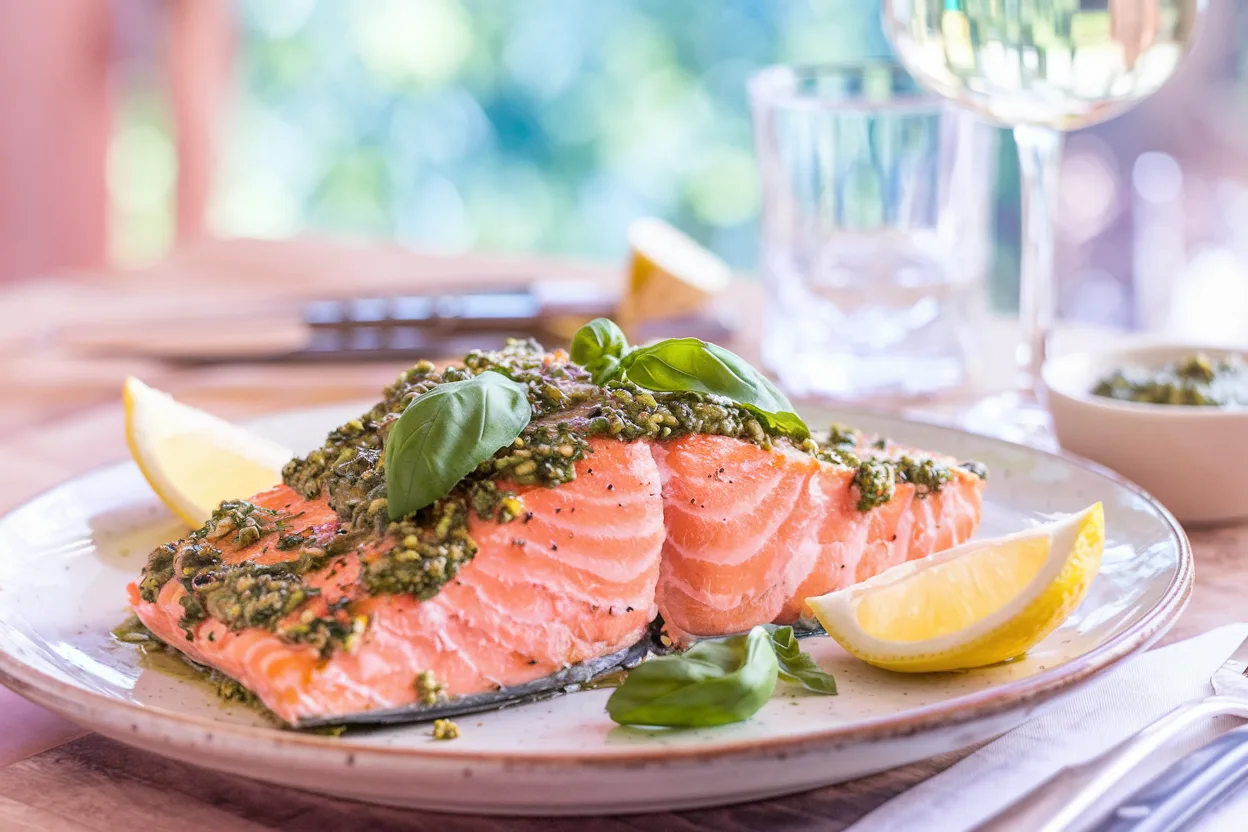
{"type": "Point", "coordinates": [1072, 731]}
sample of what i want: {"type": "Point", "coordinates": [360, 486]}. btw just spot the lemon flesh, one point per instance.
{"type": "Point", "coordinates": [976, 604]}
{"type": "Point", "coordinates": [669, 276]}
{"type": "Point", "coordinates": [192, 459]}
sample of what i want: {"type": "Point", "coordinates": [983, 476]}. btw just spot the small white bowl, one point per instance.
{"type": "Point", "coordinates": [1193, 459]}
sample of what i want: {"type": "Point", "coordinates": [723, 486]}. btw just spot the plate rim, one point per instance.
{"type": "Point", "coordinates": [165, 727]}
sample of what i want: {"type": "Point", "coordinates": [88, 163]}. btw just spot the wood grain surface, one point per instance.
{"type": "Point", "coordinates": [59, 416]}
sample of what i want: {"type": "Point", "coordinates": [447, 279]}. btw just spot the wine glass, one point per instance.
{"type": "Point", "coordinates": [1041, 67]}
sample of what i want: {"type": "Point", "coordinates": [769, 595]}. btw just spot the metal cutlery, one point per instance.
{"type": "Point", "coordinates": [396, 328]}
{"type": "Point", "coordinates": [1076, 796]}
{"type": "Point", "coordinates": [376, 328]}
{"type": "Point", "coordinates": [1185, 790]}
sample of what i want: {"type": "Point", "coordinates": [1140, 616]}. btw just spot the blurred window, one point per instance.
{"type": "Point", "coordinates": [550, 124]}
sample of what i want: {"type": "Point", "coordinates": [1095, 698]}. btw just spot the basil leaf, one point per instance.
{"type": "Point", "coordinates": [600, 337]}
{"type": "Point", "coordinates": [785, 421]}
{"type": "Point", "coordinates": [603, 369]}
{"type": "Point", "coordinates": [446, 433]}
{"type": "Point", "coordinates": [797, 666]}
{"type": "Point", "coordinates": [598, 347]}
{"type": "Point", "coordinates": [713, 683]}
{"type": "Point", "coordinates": [680, 365]}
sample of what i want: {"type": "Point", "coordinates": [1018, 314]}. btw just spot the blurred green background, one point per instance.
{"type": "Point", "coordinates": [496, 125]}
{"type": "Point", "coordinates": [489, 124]}
{"type": "Point", "coordinates": [547, 125]}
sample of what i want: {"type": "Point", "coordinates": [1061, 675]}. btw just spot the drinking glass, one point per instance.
{"type": "Point", "coordinates": [1041, 67]}
{"type": "Point", "coordinates": [874, 230]}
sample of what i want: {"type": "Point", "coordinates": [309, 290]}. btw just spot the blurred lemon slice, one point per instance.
{"type": "Point", "coordinates": [976, 604]}
{"type": "Point", "coordinates": [192, 459]}
{"type": "Point", "coordinates": [670, 274]}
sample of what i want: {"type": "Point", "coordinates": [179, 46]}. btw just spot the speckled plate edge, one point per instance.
{"type": "Point", "coordinates": [149, 726]}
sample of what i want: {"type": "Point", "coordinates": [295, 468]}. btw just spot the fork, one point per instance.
{"type": "Point", "coordinates": [1089, 782]}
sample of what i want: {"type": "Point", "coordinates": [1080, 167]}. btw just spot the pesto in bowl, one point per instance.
{"type": "Point", "coordinates": [1194, 381]}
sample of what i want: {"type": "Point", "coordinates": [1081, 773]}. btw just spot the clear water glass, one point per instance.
{"type": "Point", "coordinates": [875, 230]}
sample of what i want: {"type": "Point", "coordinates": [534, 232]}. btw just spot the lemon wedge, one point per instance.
{"type": "Point", "coordinates": [976, 604]}
{"type": "Point", "coordinates": [670, 275]}
{"type": "Point", "coordinates": [192, 459]}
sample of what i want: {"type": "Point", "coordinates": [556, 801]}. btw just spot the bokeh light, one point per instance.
{"type": "Point", "coordinates": [453, 124]}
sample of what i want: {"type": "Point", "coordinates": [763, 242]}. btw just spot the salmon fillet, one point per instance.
{"type": "Point", "coordinates": [574, 582]}
{"type": "Point", "coordinates": [714, 534]}
{"type": "Point", "coordinates": [752, 532]}
{"type": "Point", "coordinates": [552, 560]}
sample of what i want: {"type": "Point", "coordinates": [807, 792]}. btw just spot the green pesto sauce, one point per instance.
{"type": "Point", "coordinates": [876, 482]}
{"type": "Point", "coordinates": [1196, 381]}
{"type": "Point", "coordinates": [430, 546]}
{"type": "Point", "coordinates": [877, 471]}
{"type": "Point", "coordinates": [843, 436]}
{"type": "Point", "coordinates": [877, 479]}
{"type": "Point", "coordinates": [445, 729]}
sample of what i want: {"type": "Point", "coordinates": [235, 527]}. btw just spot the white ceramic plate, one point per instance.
{"type": "Point", "coordinates": [66, 557]}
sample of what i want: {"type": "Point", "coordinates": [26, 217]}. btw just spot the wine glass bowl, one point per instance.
{"type": "Point", "coordinates": [1041, 67]}
{"type": "Point", "coordinates": [1042, 62]}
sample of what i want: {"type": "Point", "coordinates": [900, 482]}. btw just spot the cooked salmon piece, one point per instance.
{"type": "Point", "coordinates": [709, 533]}
{"type": "Point", "coordinates": [572, 582]}
{"type": "Point", "coordinates": [753, 532]}
{"type": "Point", "coordinates": [713, 534]}
{"type": "Point", "coordinates": [743, 526]}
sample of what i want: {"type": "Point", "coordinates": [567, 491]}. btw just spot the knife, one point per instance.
{"type": "Point", "coordinates": [1187, 789]}
{"type": "Point", "coordinates": [398, 328]}
{"type": "Point", "coordinates": [387, 328]}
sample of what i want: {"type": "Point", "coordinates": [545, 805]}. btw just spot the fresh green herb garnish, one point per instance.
{"type": "Point", "coordinates": [797, 666]}
{"type": "Point", "coordinates": [715, 682]}
{"type": "Point", "coordinates": [685, 365]}
{"type": "Point", "coordinates": [598, 347]}
{"type": "Point", "coordinates": [446, 433]}
{"type": "Point", "coordinates": [680, 365]}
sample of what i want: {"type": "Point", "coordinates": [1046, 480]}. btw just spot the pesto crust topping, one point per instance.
{"type": "Point", "coordinates": [422, 551]}
{"type": "Point", "coordinates": [445, 729]}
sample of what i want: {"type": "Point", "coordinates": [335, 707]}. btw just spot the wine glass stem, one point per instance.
{"type": "Point", "coordinates": [1040, 160]}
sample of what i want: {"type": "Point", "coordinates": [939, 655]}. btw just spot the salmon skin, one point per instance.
{"type": "Point", "coordinates": [568, 680]}
{"type": "Point", "coordinates": [638, 538]}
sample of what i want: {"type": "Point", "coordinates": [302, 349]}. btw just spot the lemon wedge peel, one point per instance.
{"type": "Point", "coordinates": [192, 459]}
{"type": "Point", "coordinates": [670, 274]}
{"type": "Point", "coordinates": [1074, 546]}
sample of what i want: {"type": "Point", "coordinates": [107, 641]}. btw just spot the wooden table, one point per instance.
{"type": "Point", "coordinates": [60, 415]}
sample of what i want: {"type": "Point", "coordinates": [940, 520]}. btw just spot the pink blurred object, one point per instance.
{"type": "Point", "coordinates": [26, 729]}
{"type": "Point", "coordinates": [54, 124]}
{"type": "Point", "coordinates": [56, 66]}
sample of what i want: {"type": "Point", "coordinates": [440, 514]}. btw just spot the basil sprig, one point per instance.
{"type": "Point", "coordinates": [598, 347]}
{"type": "Point", "coordinates": [684, 365]}
{"type": "Point", "coordinates": [715, 682]}
{"type": "Point", "coordinates": [444, 434]}
{"type": "Point", "coordinates": [680, 365]}
{"type": "Point", "coordinates": [798, 667]}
